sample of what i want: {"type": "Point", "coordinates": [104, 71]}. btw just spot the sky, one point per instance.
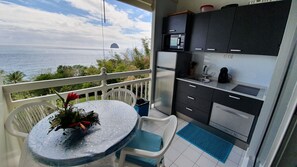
{"type": "Point", "coordinates": [72, 23]}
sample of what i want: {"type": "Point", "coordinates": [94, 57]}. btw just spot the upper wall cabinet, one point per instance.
{"type": "Point", "coordinates": [176, 24]}
{"type": "Point", "coordinates": [199, 31]}
{"type": "Point", "coordinates": [219, 30]}
{"type": "Point", "coordinates": [176, 31]}
{"type": "Point", "coordinates": [258, 29]}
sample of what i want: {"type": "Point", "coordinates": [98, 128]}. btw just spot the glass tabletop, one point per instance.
{"type": "Point", "coordinates": [74, 147]}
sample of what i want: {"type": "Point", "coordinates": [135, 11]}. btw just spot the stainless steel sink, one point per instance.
{"type": "Point", "coordinates": [201, 79]}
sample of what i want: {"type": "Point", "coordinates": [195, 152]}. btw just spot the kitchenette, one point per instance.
{"type": "Point", "coordinates": [215, 67]}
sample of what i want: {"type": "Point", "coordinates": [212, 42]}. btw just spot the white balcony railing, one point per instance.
{"type": "Point", "coordinates": [9, 146]}
{"type": "Point", "coordinates": [139, 86]}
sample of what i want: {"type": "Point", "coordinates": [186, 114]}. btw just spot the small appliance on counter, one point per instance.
{"type": "Point", "coordinates": [224, 77]}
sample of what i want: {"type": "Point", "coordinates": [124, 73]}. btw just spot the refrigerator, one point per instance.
{"type": "Point", "coordinates": [169, 65]}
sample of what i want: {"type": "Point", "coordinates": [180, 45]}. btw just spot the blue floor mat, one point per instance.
{"type": "Point", "coordinates": [206, 141]}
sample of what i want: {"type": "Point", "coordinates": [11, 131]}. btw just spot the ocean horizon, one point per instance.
{"type": "Point", "coordinates": [35, 60]}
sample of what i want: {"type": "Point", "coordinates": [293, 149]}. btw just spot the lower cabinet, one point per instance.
{"type": "Point", "coordinates": [231, 113]}
{"type": "Point", "coordinates": [242, 103]}
{"type": "Point", "coordinates": [194, 101]}
{"type": "Point", "coordinates": [193, 112]}
{"type": "Point", "coordinates": [234, 114]}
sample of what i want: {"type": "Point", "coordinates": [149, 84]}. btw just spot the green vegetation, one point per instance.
{"type": "Point", "coordinates": [15, 77]}
{"type": "Point", "coordinates": [128, 61]}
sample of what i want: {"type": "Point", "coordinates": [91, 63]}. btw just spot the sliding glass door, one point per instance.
{"type": "Point", "coordinates": [287, 154]}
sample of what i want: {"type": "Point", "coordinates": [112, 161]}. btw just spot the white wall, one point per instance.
{"type": "Point", "coordinates": [252, 69]}
{"type": "Point", "coordinates": [2, 131]}
{"type": "Point", "coordinates": [9, 146]}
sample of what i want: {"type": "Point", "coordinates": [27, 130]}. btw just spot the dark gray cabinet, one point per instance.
{"type": "Point", "coordinates": [219, 30]}
{"type": "Point", "coordinates": [176, 24]}
{"type": "Point", "coordinates": [242, 103]}
{"type": "Point", "coordinates": [176, 31]}
{"type": "Point", "coordinates": [194, 101]}
{"type": "Point", "coordinates": [199, 31]}
{"type": "Point", "coordinates": [258, 29]}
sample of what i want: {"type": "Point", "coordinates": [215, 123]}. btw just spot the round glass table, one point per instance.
{"type": "Point", "coordinates": [118, 124]}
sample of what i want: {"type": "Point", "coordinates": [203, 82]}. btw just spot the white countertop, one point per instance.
{"type": "Point", "coordinates": [228, 87]}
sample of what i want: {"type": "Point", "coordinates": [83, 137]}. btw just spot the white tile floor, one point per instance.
{"type": "Point", "coordinates": [181, 153]}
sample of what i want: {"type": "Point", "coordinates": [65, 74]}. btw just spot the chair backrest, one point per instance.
{"type": "Point", "coordinates": [123, 95]}
{"type": "Point", "coordinates": [21, 120]}
{"type": "Point", "coordinates": [169, 133]}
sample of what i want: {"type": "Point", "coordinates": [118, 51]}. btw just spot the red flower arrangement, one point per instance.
{"type": "Point", "coordinates": [72, 117]}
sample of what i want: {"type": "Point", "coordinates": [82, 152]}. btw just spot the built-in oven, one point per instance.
{"type": "Point", "coordinates": [231, 121]}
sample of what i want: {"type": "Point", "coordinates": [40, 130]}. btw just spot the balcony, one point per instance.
{"type": "Point", "coordinates": [180, 151]}
{"type": "Point", "coordinates": [10, 148]}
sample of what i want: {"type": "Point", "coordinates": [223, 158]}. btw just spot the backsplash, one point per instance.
{"type": "Point", "coordinates": [252, 69]}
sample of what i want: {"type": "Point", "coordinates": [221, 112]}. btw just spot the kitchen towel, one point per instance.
{"type": "Point", "coordinates": [206, 141]}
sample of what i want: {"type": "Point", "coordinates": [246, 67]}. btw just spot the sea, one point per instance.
{"type": "Point", "coordinates": [34, 60]}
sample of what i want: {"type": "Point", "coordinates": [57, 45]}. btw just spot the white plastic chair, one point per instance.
{"type": "Point", "coordinates": [21, 120]}
{"type": "Point", "coordinates": [167, 138]}
{"type": "Point", "coordinates": [123, 95]}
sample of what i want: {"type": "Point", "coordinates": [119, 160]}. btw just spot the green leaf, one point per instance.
{"type": "Point", "coordinates": [63, 100]}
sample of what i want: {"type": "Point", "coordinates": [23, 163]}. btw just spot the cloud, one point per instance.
{"type": "Point", "coordinates": [115, 16]}
{"type": "Point", "coordinates": [25, 25]}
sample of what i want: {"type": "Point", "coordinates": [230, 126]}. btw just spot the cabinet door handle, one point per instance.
{"type": "Point", "coordinates": [235, 50]}
{"type": "Point", "coordinates": [234, 97]}
{"type": "Point", "coordinates": [189, 109]}
{"type": "Point", "coordinates": [172, 30]}
{"type": "Point", "coordinates": [193, 86]}
{"type": "Point", "coordinates": [178, 41]}
{"type": "Point", "coordinates": [198, 49]}
{"type": "Point", "coordinates": [192, 98]}
{"type": "Point", "coordinates": [210, 49]}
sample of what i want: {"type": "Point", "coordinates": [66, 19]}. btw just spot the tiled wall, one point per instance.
{"type": "Point", "coordinates": [252, 69]}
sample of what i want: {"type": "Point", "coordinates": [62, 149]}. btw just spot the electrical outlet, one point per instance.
{"type": "Point", "coordinates": [228, 56]}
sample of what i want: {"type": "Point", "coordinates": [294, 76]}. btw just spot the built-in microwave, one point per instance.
{"type": "Point", "coordinates": [174, 42]}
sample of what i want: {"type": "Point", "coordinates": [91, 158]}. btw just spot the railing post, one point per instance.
{"type": "Point", "coordinates": [103, 82]}
{"type": "Point", "coordinates": [3, 115]}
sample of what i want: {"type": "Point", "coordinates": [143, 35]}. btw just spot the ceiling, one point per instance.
{"type": "Point", "coordinates": [143, 4]}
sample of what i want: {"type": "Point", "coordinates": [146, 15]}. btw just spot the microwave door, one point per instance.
{"type": "Point", "coordinates": [174, 42]}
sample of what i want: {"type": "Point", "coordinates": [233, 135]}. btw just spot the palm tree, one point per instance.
{"type": "Point", "coordinates": [15, 77]}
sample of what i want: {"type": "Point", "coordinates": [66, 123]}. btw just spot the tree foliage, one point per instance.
{"type": "Point", "coordinates": [15, 77]}
{"type": "Point", "coordinates": [128, 61]}
{"type": "Point", "coordinates": [2, 72]}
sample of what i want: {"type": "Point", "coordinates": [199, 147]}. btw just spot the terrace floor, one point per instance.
{"type": "Point", "coordinates": [181, 153]}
